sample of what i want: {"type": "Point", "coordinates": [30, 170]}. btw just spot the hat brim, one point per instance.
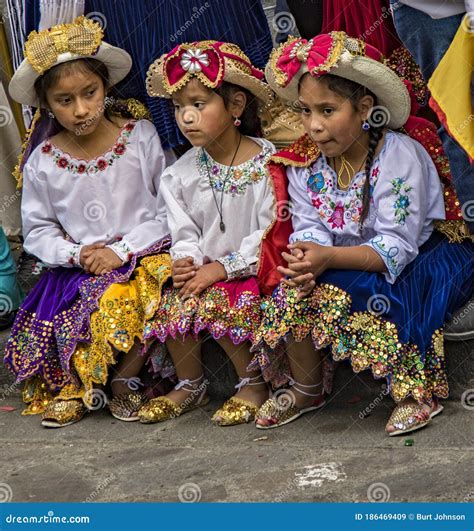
{"type": "Point", "coordinates": [389, 89]}
{"type": "Point", "coordinates": [22, 84]}
{"type": "Point", "coordinates": [156, 87]}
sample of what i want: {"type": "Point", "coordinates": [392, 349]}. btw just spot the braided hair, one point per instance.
{"type": "Point", "coordinates": [354, 92]}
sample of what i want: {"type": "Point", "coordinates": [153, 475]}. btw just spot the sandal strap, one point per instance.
{"type": "Point", "coordinates": [132, 383]}
{"type": "Point", "coordinates": [297, 385]}
{"type": "Point", "coordinates": [192, 384]}
{"type": "Point", "coordinates": [243, 382]}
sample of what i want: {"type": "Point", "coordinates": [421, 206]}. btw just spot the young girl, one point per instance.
{"type": "Point", "coordinates": [219, 203]}
{"type": "Point", "coordinates": [365, 274]}
{"type": "Point", "coordinates": [91, 210]}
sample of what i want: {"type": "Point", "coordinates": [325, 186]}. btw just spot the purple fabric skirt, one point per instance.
{"type": "Point", "coordinates": [55, 316]}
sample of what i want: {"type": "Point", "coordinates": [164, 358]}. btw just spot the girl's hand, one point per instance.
{"type": "Point", "coordinates": [296, 274]}
{"type": "Point", "coordinates": [204, 277]}
{"type": "Point", "coordinates": [87, 251]}
{"type": "Point", "coordinates": [316, 258]}
{"type": "Point", "coordinates": [102, 261]}
{"type": "Point", "coordinates": [183, 270]}
{"type": "Point", "coordinates": [305, 290]}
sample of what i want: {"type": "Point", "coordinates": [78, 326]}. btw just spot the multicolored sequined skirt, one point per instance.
{"type": "Point", "coordinates": [393, 329]}
{"type": "Point", "coordinates": [231, 309]}
{"type": "Point", "coordinates": [72, 324]}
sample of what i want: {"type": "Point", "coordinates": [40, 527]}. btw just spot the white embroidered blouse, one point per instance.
{"type": "Point", "coordinates": [114, 198]}
{"type": "Point", "coordinates": [193, 216]}
{"type": "Point", "coordinates": [406, 198]}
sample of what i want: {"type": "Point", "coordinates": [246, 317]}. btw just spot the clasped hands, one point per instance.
{"type": "Point", "coordinates": [98, 259]}
{"type": "Point", "coordinates": [306, 261]}
{"type": "Point", "coordinates": [192, 280]}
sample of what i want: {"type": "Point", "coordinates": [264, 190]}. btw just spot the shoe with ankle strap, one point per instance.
{"type": "Point", "coordinates": [237, 410]}
{"type": "Point", "coordinates": [281, 409]}
{"type": "Point", "coordinates": [163, 408]}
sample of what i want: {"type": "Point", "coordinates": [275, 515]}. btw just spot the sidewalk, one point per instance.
{"type": "Point", "coordinates": [335, 454]}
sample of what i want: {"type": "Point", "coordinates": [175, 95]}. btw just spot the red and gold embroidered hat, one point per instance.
{"type": "Point", "coordinates": [338, 54]}
{"type": "Point", "coordinates": [211, 62]}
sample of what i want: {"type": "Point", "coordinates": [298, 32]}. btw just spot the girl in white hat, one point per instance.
{"type": "Point", "coordinates": [365, 275]}
{"type": "Point", "coordinates": [93, 214]}
{"type": "Point", "coordinates": [219, 203]}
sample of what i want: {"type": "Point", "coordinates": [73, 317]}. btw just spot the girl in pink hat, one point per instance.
{"type": "Point", "coordinates": [366, 277]}
{"type": "Point", "coordinates": [219, 203]}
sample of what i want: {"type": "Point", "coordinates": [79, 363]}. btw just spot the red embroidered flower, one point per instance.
{"type": "Point", "coordinates": [337, 217]}
{"type": "Point", "coordinates": [71, 260]}
{"type": "Point", "coordinates": [102, 164]}
{"type": "Point", "coordinates": [129, 127]}
{"type": "Point", "coordinates": [119, 149]}
{"type": "Point", "coordinates": [81, 168]}
{"type": "Point", "coordinates": [63, 162]}
{"type": "Point", "coordinates": [316, 201]}
{"type": "Point", "coordinates": [46, 148]}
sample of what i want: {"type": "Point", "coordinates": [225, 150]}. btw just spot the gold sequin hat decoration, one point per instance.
{"type": "Point", "coordinates": [211, 62]}
{"type": "Point", "coordinates": [337, 53]}
{"type": "Point", "coordinates": [66, 42]}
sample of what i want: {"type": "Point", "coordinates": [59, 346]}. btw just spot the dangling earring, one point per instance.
{"type": "Point", "coordinates": [51, 115]}
{"type": "Point", "coordinates": [237, 121]}
{"type": "Point", "coordinates": [109, 101]}
{"type": "Point", "coordinates": [365, 125]}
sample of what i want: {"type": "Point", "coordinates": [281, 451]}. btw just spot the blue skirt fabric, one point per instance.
{"type": "Point", "coordinates": [393, 329]}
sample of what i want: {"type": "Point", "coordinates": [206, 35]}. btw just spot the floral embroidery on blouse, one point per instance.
{"type": "Point", "coordinates": [389, 254]}
{"type": "Point", "coordinates": [73, 165]}
{"type": "Point", "coordinates": [239, 178]}
{"type": "Point", "coordinates": [235, 265]}
{"type": "Point", "coordinates": [74, 259]}
{"type": "Point", "coordinates": [334, 206]}
{"type": "Point", "coordinates": [402, 202]}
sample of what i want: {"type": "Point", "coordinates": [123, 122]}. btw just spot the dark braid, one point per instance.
{"type": "Point", "coordinates": [375, 134]}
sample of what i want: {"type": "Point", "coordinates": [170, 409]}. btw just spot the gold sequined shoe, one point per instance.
{"type": "Point", "coordinates": [163, 408]}
{"type": "Point", "coordinates": [410, 417]}
{"type": "Point", "coordinates": [281, 409]}
{"type": "Point", "coordinates": [237, 410]}
{"type": "Point", "coordinates": [127, 405]}
{"type": "Point", "coordinates": [60, 413]}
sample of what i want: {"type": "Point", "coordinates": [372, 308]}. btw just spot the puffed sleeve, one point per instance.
{"type": "Point", "coordinates": [406, 199]}
{"type": "Point", "coordinates": [185, 234]}
{"type": "Point", "coordinates": [306, 225]}
{"type": "Point", "coordinates": [42, 232]}
{"type": "Point", "coordinates": [152, 164]}
{"type": "Point", "coordinates": [243, 262]}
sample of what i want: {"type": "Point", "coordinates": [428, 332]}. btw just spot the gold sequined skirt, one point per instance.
{"type": "Point", "coordinates": [115, 327]}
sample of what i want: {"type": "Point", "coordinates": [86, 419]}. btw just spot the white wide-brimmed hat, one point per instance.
{"type": "Point", "coordinates": [338, 54]}
{"type": "Point", "coordinates": [66, 42]}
